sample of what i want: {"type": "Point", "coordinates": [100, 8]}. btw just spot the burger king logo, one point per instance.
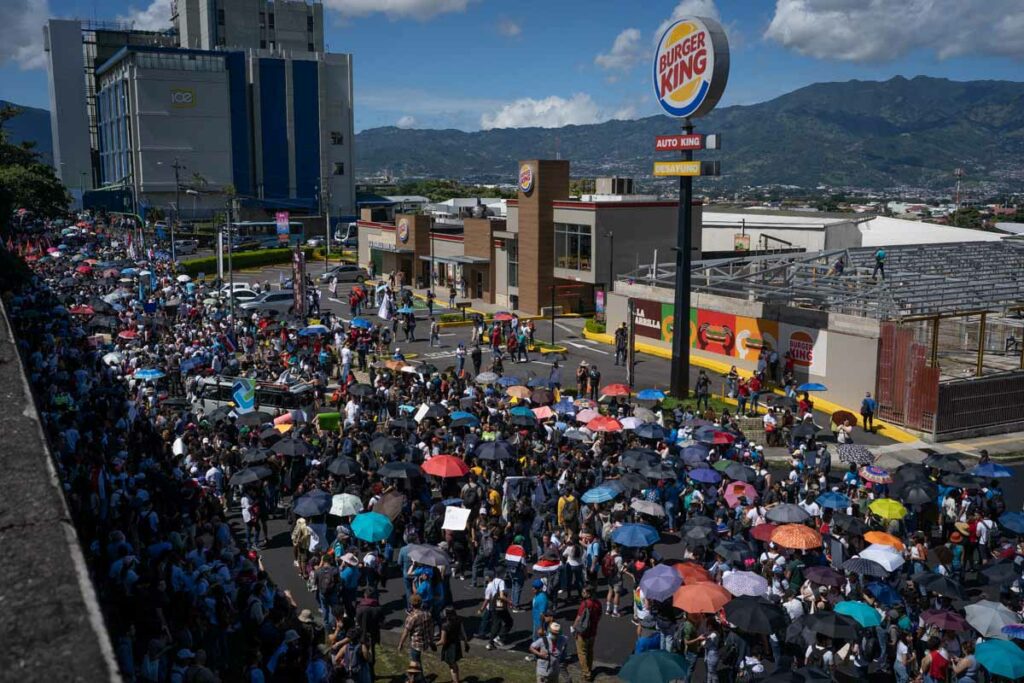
{"type": "Point", "coordinates": [691, 67]}
{"type": "Point", "coordinates": [403, 231]}
{"type": "Point", "coordinates": [801, 348]}
{"type": "Point", "coordinates": [526, 178]}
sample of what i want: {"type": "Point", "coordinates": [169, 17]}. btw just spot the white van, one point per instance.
{"type": "Point", "coordinates": [213, 392]}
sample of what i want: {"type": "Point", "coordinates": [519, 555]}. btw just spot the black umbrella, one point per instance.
{"type": "Point", "coordinates": [253, 456]}
{"type": "Point", "coordinates": [938, 584]}
{"type": "Point", "coordinates": [738, 472]}
{"type": "Point", "coordinates": [360, 390]}
{"type": "Point", "coordinates": [735, 550]}
{"type": "Point", "coordinates": [249, 475]}
{"type": "Point", "coordinates": [944, 462]}
{"type": "Point", "coordinates": [400, 470]}
{"type": "Point", "coordinates": [650, 431]}
{"type": "Point", "coordinates": [805, 430]}
{"type": "Point", "coordinates": [100, 306]}
{"type": "Point", "coordinates": [755, 615]}
{"type": "Point", "coordinates": [465, 421]}
{"type": "Point", "coordinates": [436, 411]}
{"type": "Point", "coordinates": [824, 576]}
{"type": "Point", "coordinates": [787, 513]}
{"type": "Point", "coordinates": [343, 467]}
{"type": "Point", "coordinates": [848, 524]}
{"type": "Point", "coordinates": [270, 435]}
{"type": "Point", "coordinates": [1001, 573]}
{"type": "Point", "coordinates": [910, 471]}
{"type": "Point", "coordinates": [254, 419]}
{"type": "Point", "coordinates": [799, 632]}
{"type": "Point", "coordinates": [855, 453]}
{"type": "Point", "coordinates": [291, 447]}
{"type": "Point", "coordinates": [697, 535]}
{"type": "Point", "coordinates": [633, 481]}
{"type": "Point", "coordinates": [834, 625]}
{"type": "Point", "coordinates": [858, 565]}
{"type": "Point", "coordinates": [466, 403]}
{"type": "Point", "coordinates": [962, 480]}
{"type": "Point", "coordinates": [659, 471]}
{"type": "Point", "coordinates": [312, 504]}
{"type": "Point", "coordinates": [101, 322]}
{"type": "Point", "coordinates": [916, 492]}
{"type": "Point", "coordinates": [386, 446]}
{"type": "Point", "coordinates": [219, 413]}
{"type": "Point", "coordinates": [406, 423]}
{"type": "Point", "coordinates": [523, 420]}
{"type": "Point", "coordinates": [429, 555]}
{"type": "Point", "coordinates": [637, 457]}
{"type": "Point", "coordinates": [495, 450]}
{"type": "Point", "coordinates": [700, 520]}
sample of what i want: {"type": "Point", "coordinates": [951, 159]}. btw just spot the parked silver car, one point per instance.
{"type": "Point", "coordinates": [281, 302]}
{"type": "Point", "coordinates": [345, 272]}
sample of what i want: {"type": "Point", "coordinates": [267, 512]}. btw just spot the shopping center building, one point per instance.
{"type": "Point", "coordinates": [548, 249]}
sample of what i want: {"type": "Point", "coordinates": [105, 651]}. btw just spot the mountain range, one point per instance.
{"type": "Point", "coordinates": [865, 134]}
{"type": "Point", "coordinates": [31, 125]}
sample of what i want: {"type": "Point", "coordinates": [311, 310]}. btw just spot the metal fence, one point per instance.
{"type": "Point", "coordinates": [907, 387]}
{"type": "Point", "coordinates": [980, 403]}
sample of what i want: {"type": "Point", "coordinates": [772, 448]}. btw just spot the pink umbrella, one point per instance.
{"type": "Point", "coordinates": [585, 416]}
{"type": "Point", "coordinates": [50, 250]}
{"type": "Point", "coordinates": [739, 489]}
{"type": "Point", "coordinates": [543, 413]}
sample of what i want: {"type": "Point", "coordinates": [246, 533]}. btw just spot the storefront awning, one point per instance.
{"type": "Point", "coordinates": [464, 260]}
{"type": "Point", "coordinates": [390, 250]}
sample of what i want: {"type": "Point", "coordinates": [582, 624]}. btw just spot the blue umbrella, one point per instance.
{"type": "Point", "coordinates": [650, 431]}
{"type": "Point", "coordinates": [991, 470]}
{"type": "Point", "coordinates": [650, 394]}
{"type": "Point", "coordinates": [863, 613]}
{"type": "Point", "coordinates": [312, 504]}
{"type": "Point", "coordinates": [405, 310]}
{"type": "Point", "coordinates": [509, 381]}
{"type": "Point", "coordinates": [463, 415]}
{"type": "Point", "coordinates": [564, 407]}
{"type": "Point", "coordinates": [149, 374]}
{"type": "Point", "coordinates": [636, 535]}
{"type": "Point", "coordinates": [522, 410]}
{"type": "Point", "coordinates": [537, 383]}
{"type": "Point", "coordinates": [660, 582]}
{"type": "Point", "coordinates": [313, 330]}
{"type": "Point", "coordinates": [371, 527]}
{"type": "Point", "coordinates": [362, 323]}
{"type": "Point", "coordinates": [705, 475]}
{"type": "Point", "coordinates": [1013, 521]}
{"type": "Point", "coordinates": [129, 271]}
{"type": "Point", "coordinates": [1001, 658]}
{"type": "Point", "coordinates": [600, 494]}
{"type": "Point", "coordinates": [812, 386]}
{"type": "Point", "coordinates": [695, 454]}
{"type": "Point", "coordinates": [884, 593]}
{"type": "Point", "coordinates": [833, 500]}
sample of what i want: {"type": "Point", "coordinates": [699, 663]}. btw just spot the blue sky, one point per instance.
{"type": "Point", "coordinates": [479, 63]}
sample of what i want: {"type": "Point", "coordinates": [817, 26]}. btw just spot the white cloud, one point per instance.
{"type": "Point", "coordinates": [882, 30]}
{"type": "Point", "coordinates": [397, 9]}
{"type": "Point", "coordinates": [509, 28]}
{"type": "Point", "coordinates": [153, 18]}
{"type": "Point", "coordinates": [689, 8]}
{"type": "Point", "coordinates": [552, 112]}
{"type": "Point", "coordinates": [406, 122]}
{"type": "Point", "coordinates": [625, 53]}
{"type": "Point", "coordinates": [21, 32]}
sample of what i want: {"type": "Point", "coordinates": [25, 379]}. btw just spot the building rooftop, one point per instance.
{"type": "Point", "coordinates": [880, 231]}
{"type": "Point", "coordinates": [921, 280]}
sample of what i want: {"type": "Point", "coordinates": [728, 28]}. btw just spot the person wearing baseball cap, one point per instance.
{"type": "Point", "coordinates": [540, 605]}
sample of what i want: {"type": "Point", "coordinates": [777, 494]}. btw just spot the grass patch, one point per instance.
{"type": "Point", "coordinates": [716, 403]}
{"type": "Point", "coordinates": [480, 665]}
{"type": "Point", "coordinates": [594, 327]}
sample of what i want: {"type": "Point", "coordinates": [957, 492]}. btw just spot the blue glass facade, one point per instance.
{"type": "Point", "coordinates": [115, 159]}
{"type": "Point", "coordinates": [306, 115]}
{"type": "Point", "coordinates": [273, 127]}
{"type": "Point", "coordinates": [241, 156]}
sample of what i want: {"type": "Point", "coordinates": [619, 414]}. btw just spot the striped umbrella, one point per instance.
{"type": "Point", "coordinates": [875, 474]}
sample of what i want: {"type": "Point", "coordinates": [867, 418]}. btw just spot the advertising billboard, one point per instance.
{"type": "Point", "coordinates": [691, 67]}
{"type": "Point", "coordinates": [647, 318]}
{"type": "Point", "coordinates": [283, 226]}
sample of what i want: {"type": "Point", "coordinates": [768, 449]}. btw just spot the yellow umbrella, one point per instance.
{"type": "Point", "coordinates": [283, 428]}
{"type": "Point", "coordinates": [887, 508]}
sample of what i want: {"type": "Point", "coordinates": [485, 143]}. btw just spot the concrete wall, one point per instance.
{"type": "Point", "coordinates": [69, 121]}
{"type": "Point", "coordinates": [850, 343]}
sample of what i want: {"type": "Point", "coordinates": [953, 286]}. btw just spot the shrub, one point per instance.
{"type": "Point", "coordinates": [594, 327]}
{"type": "Point", "coordinates": [241, 260]}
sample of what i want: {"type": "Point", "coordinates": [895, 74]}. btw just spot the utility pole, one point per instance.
{"type": "Point", "coordinates": [177, 166]}
{"type": "Point", "coordinates": [327, 219]}
{"type": "Point", "coordinates": [681, 327]}
{"type": "Point", "coordinates": [611, 263]}
{"type": "Point", "coordinates": [231, 271]}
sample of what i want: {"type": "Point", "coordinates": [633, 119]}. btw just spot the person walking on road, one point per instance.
{"type": "Point", "coordinates": [585, 628]}
{"type": "Point", "coordinates": [621, 338]}
{"type": "Point", "coordinates": [551, 653]}
{"type": "Point", "coordinates": [867, 411]}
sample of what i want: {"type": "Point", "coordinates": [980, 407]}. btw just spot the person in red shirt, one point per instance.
{"type": "Point", "coordinates": [755, 392]}
{"type": "Point", "coordinates": [585, 627]}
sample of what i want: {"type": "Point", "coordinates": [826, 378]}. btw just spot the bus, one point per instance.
{"type": "Point", "coordinates": [263, 234]}
{"type": "Point", "coordinates": [213, 392]}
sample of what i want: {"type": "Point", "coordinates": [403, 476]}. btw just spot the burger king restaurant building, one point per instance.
{"type": "Point", "coordinates": [547, 249]}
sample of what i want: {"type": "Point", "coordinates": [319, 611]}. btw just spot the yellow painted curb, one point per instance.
{"type": "Point", "coordinates": [886, 429]}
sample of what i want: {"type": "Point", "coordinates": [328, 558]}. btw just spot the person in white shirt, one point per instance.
{"type": "Point", "coordinates": [351, 413]}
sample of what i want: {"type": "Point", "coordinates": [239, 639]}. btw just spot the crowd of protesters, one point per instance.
{"type": "Point", "coordinates": [400, 478]}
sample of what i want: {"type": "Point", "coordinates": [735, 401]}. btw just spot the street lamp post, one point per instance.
{"type": "Point", "coordinates": [231, 271]}
{"type": "Point", "coordinates": [611, 263]}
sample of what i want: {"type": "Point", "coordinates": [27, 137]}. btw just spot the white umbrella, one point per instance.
{"type": "Point", "coordinates": [631, 422]}
{"type": "Point", "coordinates": [346, 505]}
{"type": "Point", "coordinates": [144, 273]}
{"type": "Point", "coordinates": [745, 583]}
{"type": "Point", "coordinates": [113, 358]}
{"type": "Point", "coordinates": [184, 278]}
{"type": "Point", "coordinates": [648, 507]}
{"type": "Point", "coordinates": [883, 555]}
{"type": "Point", "coordinates": [988, 618]}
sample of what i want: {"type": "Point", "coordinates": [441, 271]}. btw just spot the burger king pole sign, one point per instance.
{"type": "Point", "coordinates": [690, 70]}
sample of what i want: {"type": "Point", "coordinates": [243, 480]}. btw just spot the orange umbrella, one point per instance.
{"type": "Point", "coordinates": [883, 538]}
{"type": "Point", "coordinates": [692, 572]}
{"type": "Point", "coordinates": [518, 392]}
{"type": "Point", "coordinates": [615, 390]}
{"type": "Point", "coordinates": [706, 598]}
{"type": "Point", "coordinates": [604, 424]}
{"type": "Point", "coordinates": [394, 364]}
{"type": "Point", "coordinates": [445, 466]}
{"type": "Point", "coordinates": [796, 536]}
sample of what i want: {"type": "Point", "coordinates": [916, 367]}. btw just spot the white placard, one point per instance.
{"type": "Point", "coordinates": [455, 519]}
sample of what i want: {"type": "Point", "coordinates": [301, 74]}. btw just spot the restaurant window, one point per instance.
{"type": "Point", "coordinates": [572, 246]}
{"type": "Point", "coordinates": [512, 250]}
{"type": "Point", "coordinates": [337, 138]}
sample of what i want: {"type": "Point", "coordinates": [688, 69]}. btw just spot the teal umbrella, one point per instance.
{"type": "Point", "coordinates": [522, 410]}
{"type": "Point", "coordinates": [654, 666]}
{"type": "Point", "coordinates": [371, 527]}
{"type": "Point", "coordinates": [861, 612]}
{"type": "Point", "coordinates": [1001, 658]}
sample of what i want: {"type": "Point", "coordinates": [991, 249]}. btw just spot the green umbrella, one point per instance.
{"type": "Point", "coordinates": [654, 666]}
{"type": "Point", "coordinates": [1001, 658]}
{"type": "Point", "coordinates": [863, 613]}
{"type": "Point", "coordinates": [720, 465]}
{"type": "Point", "coordinates": [522, 410]}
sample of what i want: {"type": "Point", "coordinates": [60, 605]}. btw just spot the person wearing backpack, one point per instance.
{"type": "Point", "coordinates": [588, 616]}
{"type": "Point", "coordinates": [569, 513]}
{"type": "Point", "coordinates": [352, 661]}
{"type": "Point", "coordinates": [611, 569]}
{"type": "Point", "coordinates": [594, 380]}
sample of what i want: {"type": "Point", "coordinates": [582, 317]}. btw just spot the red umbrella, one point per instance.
{"type": "Point", "coordinates": [81, 310]}
{"type": "Point", "coordinates": [84, 270]}
{"type": "Point", "coordinates": [723, 438]}
{"type": "Point", "coordinates": [604, 424]}
{"type": "Point", "coordinates": [127, 334]}
{"type": "Point", "coordinates": [615, 390]}
{"type": "Point", "coordinates": [445, 466]}
{"type": "Point", "coordinates": [763, 532]}
{"type": "Point", "coordinates": [503, 317]}
{"type": "Point", "coordinates": [945, 620]}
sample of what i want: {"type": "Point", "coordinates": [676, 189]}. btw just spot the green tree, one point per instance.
{"type": "Point", "coordinates": [968, 218]}
{"type": "Point", "coordinates": [25, 182]}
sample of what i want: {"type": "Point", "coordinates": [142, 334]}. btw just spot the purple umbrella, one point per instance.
{"type": "Point", "coordinates": [695, 454]}
{"type": "Point", "coordinates": [824, 576]}
{"type": "Point", "coordinates": [660, 582]}
{"type": "Point", "coordinates": [705, 475]}
{"type": "Point", "coordinates": [745, 583]}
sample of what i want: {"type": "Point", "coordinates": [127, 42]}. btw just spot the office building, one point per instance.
{"type": "Point", "coordinates": [239, 95]}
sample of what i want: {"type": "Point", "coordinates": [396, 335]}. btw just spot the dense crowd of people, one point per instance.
{"type": "Point", "coordinates": [400, 478]}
